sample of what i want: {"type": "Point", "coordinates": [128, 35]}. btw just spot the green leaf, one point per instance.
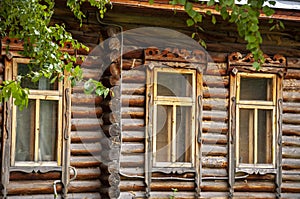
{"type": "Point", "coordinates": [213, 19]}
{"type": "Point", "coordinates": [190, 22]}
{"type": "Point", "coordinates": [256, 65]}
{"type": "Point", "coordinates": [210, 2]}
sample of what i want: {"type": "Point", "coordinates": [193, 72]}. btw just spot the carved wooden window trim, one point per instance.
{"type": "Point", "coordinates": [60, 95]}
{"type": "Point", "coordinates": [254, 106]}
{"type": "Point", "coordinates": [174, 102]}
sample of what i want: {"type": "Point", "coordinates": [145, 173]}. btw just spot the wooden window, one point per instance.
{"type": "Point", "coordinates": [37, 129]}
{"type": "Point", "coordinates": [256, 101]}
{"type": "Point", "coordinates": [173, 126]}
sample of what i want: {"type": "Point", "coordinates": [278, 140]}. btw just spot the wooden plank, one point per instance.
{"type": "Point", "coordinates": [214, 127]}
{"type": "Point", "coordinates": [132, 185]}
{"type": "Point", "coordinates": [86, 112]}
{"type": "Point", "coordinates": [85, 99]}
{"type": "Point", "coordinates": [288, 164]}
{"type": "Point", "coordinates": [215, 104]}
{"type": "Point", "coordinates": [254, 186]}
{"type": "Point", "coordinates": [169, 185]}
{"type": "Point", "coordinates": [291, 107]}
{"type": "Point", "coordinates": [291, 141]}
{"type": "Point", "coordinates": [290, 118]}
{"type": "Point", "coordinates": [133, 112]}
{"type": "Point", "coordinates": [291, 85]}
{"type": "Point", "coordinates": [85, 148]}
{"type": "Point", "coordinates": [215, 115]}
{"type": "Point", "coordinates": [133, 88]}
{"type": "Point", "coordinates": [86, 124]}
{"type": "Point", "coordinates": [214, 138]}
{"type": "Point", "coordinates": [212, 92]}
{"type": "Point", "coordinates": [132, 160]}
{"type": "Point", "coordinates": [132, 124]}
{"type": "Point", "coordinates": [291, 96]}
{"type": "Point", "coordinates": [216, 81]}
{"type": "Point", "coordinates": [214, 162]}
{"type": "Point", "coordinates": [214, 172]}
{"type": "Point", "coordinates": [291, 152]}
{"type": "Point", "coordinates": [133, 100]}
{"type": "Point", "coordinates": [289, 129]}
{"type": "Point", "coordinates": [214, 186]}
{"type": "Point", "coordinates": [291, 187]}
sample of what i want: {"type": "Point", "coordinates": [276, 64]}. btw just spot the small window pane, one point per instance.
{"type": "Point", "coordinates": [246, 136]}
{"type": "Point", "coordinates": [163, 133]}
{"type": "Point", "coordinates": [256, 89]}
{"type": "Point", "coordinates": [183, 134]}
{"type": "Point", "coordinates": [48, 130]}
{"type": "Point", "coordinates": [264, 140]}
{"type": "Point", "coordinates": [24, 150]}
{"type": "Point", "coordinates": [174, 84]}
{"type": "Point", "coordinates": [42, 84]}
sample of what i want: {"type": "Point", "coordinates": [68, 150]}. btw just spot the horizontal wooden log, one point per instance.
{"type": "Point", "coordinates": [214, 127]}
{"type": "Point", "coordinates": [291, 141]}
{"type": "Point", "coordinates": [50, 196]}
{"type": "Point", "coordinates": [216, 68]}
{"type": "Point", "coordinates": [84, 186]}
{"type": "Point", "coordinates": [129, 64]}
{"type": "Point", "coordinates": [291, 175]}
{"type": "Point", "coordinates": [254, 195]}
{"type": "Point", "coordinates": [132, 160]}
{"type": "Point", "coordinates": [34, 176]}
{"type": "Point", "coordinates": [133, 112]}
{"type": "Point", "coordinates": [291, 107]}
{"type": "Point", "coordinates": [290, 163]}
{"type": "Point", "coordinates": [216, 194]}
{"type": "Point", "coordinates": [133, 52]}
{"type": "Point", "coordinates": [291, 187]}
{"type": "Point", "coordinates": [212, 92]}
{"type": "Point", "coordinates": [293, 62]}
{"type": "Point", "coordinates": [291, 85]}
{"type": "Point", "coordinates": [86, 124]}
{"type": "Point", "coordinates": [214, 162]}
{"type": "Point", "coordinates": [86, 112]}
{"type": "Point", "coordinates": [133, 88]}
{"type": "Point", "coordinates": [214, 138]}
{"type": "Point", "coordinates": [215, 115]}
{"type": "Point", "coordinates": [133, 124]}
{"type": "Point", "coordinates": [86, 136]}
{"type": "Point", "coordinates": [214, 150]}
{"type": "Point", "coordinates": [171, 193]}
{"type": "Point", "coordinates": [133, 76]}
{"type": "Point", "coordinates": [85, 148]}
{"type": "Point", "coordinates": [86, 100]}
{"type": "Point", "coordinates": [136, 194]}
{"type": "Point", "coordinates": [85, 161]}
{"type": "Point", "coordinates": [291, 96]}
{"type": "Point", "coordinates": [132, 147]}
{"type": "Point", "coordinates": [132, 185]}
{"type": "Point", "coordinates": [290, 118]}
{"type": "Point", "coordinates": [289, 129]}
{"type": "Point", "coordinates": [31, 187]}
{"type": "Point", "coordinates": [208, 172]}
{"type": "Point", "coordinates": [215, 104]}
{"type": "Point", "coordinates": [291, 152]}
{"type": "Point", "coordinates": [292, 74]}
{"type": "Point", "coordinates": [214, 186]}
{"type": "Point", "coordinates": [133, 136]}
{"type": "Point", "coordinates": [86, 173]}
{"type": "Point", "coordinates": [169, 185]}
{"type": "Point", "coordinates": [94, 74]}
{"type": "Point", "coordinates": [254, 186]}
{"type": "Point", "coordinates": [216, 81]}
{"type": "Point", "coordinates": [133, 101]}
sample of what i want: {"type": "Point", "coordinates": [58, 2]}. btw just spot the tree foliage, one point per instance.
{"type": "Point", "coordinates": [245, 16]}
{"type": "Point", "coordinates": [29, 21]}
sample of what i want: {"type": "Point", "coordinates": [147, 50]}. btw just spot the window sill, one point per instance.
{"type": "Point", "coordinates": [35, 169]}
{"type": "Point", "coordinates": [253, 170]}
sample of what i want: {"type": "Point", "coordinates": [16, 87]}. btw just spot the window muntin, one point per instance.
{"type": "Point", "coordinates": [36, 130]}
{"type": "Point", "coordinates": [174, 117]}
{"type": "Point", "coordinates": [256, 116]}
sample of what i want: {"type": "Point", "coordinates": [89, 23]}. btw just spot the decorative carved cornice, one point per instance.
{"type": "Point", "coordinates": [238, 62]}
{"type": "Point", "coordinates": [175, 55]}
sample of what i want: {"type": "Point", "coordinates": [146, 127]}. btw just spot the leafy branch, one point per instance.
{"type": "Point", "coordinates": [29, 21]}
{"type": "Point", "coordinates": [245, 16]}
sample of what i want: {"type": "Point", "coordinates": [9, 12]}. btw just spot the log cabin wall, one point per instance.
{"type": "Point", "coordinates": [103, 173]}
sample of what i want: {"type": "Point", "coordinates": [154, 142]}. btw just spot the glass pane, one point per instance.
{"type": "Point", "coordinates": [163, 133]}
{"type": "Point", "coordinates": [48, 130]}
{"type": "Point", "coordinates": [174, 84]}
{"type": "Point", "coordinates": [264, 139]}
{"type": "Point", "coordinates": [25, 128]}
{"type": "Point", "coordinates": [42, 84]}
{"type": "Point", "coordinates": [256, 89]}
{"type": "Point", "coordinates": [246, 136]}
{"type": "Point", "coordinates": [183, 133]}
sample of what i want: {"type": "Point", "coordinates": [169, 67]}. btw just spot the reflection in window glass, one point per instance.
{"type": "Point", "coordinates": [174, 84]}
{"type": "Point", "coordinates": [48, 130]}
{"type": "Point", "coordinates": [24, 150]}
{"type": "Point", "coordinates": [250, 87]}
{"type": "Point", "coordinates": [246, 137]}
